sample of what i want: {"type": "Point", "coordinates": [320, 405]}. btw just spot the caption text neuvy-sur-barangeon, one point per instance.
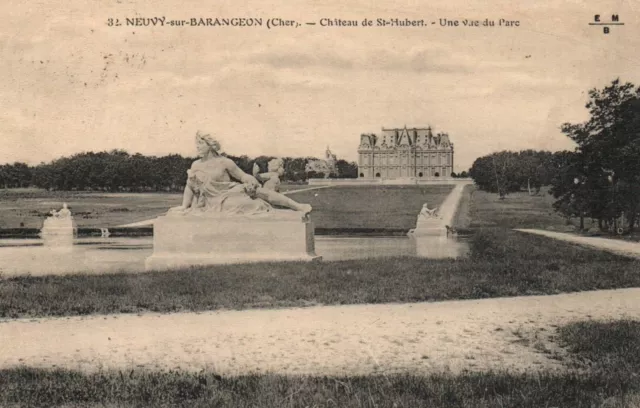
{"type": "Point", "coordinates": [278, 22]}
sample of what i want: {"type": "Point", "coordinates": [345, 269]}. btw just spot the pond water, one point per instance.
{"type": "Point", "coordinates": [105, 255]}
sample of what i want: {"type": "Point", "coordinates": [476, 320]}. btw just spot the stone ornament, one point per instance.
{"type": "Point", "coordinates": [217, 186]}
{"type": "Point", "coordinates": [427, 213]}
{"type": "Point", "coordinates": [271, 179]}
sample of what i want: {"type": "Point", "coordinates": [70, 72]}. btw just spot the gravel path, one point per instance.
{"type": "Point", "coordinates": [512, 333]}
{"type": "Point", "coordinates": [612, 245]}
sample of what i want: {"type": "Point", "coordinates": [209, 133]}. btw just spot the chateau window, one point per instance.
{"type": "Point", "coordinates": [361, 174]}
{"type": "Point", "coordinates": [377, 174]}
{"type": "Point", "coordinates": [420, 174]}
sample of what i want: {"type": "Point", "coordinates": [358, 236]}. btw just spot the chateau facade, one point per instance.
{"type": "Point", "coordinates": [405, 152]}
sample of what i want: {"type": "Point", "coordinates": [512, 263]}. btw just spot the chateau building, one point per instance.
{"type": "Point", "coordinates": [405, 152]}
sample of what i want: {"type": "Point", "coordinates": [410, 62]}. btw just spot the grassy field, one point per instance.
{"type": "Point", "coordinates": [603, 369]}
{"type": "Point", "coordinates": [501, 263]}
{"type": "Point", "coordinates": [518, 210]}
{"type": "Point", "coordinates": [29, 207]}
{"type": "Point", "coordinates": [334, 207]}
{"type": "Point", "coordinates": [371, 206]}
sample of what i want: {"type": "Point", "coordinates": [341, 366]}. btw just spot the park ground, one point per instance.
{"type": "Point", "coordinates": [387, 207]}
{"type": "Point", "coordinates": [588, 357]}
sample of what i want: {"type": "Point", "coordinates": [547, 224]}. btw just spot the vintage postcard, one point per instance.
{"type": "Point", "coordinates": [320, 204]}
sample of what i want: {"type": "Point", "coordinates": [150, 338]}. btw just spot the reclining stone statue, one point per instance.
{"type": "Point", "coordinates": [226, 216]}
{"type": "Point", "coordinates": [217, 185]}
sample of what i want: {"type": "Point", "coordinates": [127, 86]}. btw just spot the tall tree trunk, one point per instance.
{"type": "Point", "coordinates": [581, 222]}
{"type": "Point", "coordinates": [529, 185]}
{"type": "Point", "coordinates": [632, 221]}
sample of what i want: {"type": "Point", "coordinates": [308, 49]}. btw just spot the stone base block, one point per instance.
{"type": "Point", "coordinates": [429, 227]}
{"type": "Point", "coordinates": [432, 232]}
{"type": "Point", "coordinates": [58, 232]}
{"type": "Point", "coordinates": [184, 241]}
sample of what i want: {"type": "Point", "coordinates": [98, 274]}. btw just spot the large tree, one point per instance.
{"type": "Point", "coordinates": [606, 165]}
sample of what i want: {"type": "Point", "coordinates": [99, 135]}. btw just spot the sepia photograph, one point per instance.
{"type": "Point", "coordinates": [303, 204]}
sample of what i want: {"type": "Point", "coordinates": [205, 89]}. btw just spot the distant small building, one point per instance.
{"type": "Point", "coordinates": [327, 167]}
{"type": "Point", "coordinates": [405, 152]}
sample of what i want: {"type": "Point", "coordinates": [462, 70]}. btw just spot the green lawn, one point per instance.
{"type": "Point", "coordinates": [385, 207]}
{"type": "Point", "coordinates": [521, 210]}
{"type": "Point", "coordinates": [605, 356]}
{"type": "Point", "coordinates": [517, 210]}
{"type": "Point", "coordinates": [334, 207]}
{"type": "Point", "coordinates": [30, 207]}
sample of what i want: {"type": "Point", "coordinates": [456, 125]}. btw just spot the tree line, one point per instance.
{"type": "Point", "coordinates": [118, 170]}
{"type": "Point", "coordinates": [506, 172]}
{"type": "Point", "coordinates": [599, 180]}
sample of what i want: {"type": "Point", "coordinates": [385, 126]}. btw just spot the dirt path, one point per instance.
{"type": "Point", "coordinates": [508, 333]}
{"type": "Point", "coordinates": [607, 244]}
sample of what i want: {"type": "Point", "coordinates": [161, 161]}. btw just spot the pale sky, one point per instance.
{"type": "Point", "coordinates": [69, 83]}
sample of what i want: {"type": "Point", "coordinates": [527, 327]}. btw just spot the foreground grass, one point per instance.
{"type": "Point", "coordinates": [501, 263]}
{"type": "Point", "coordinates": [610, 380]}
{"type": "Point", "coordinates": [612, 348]}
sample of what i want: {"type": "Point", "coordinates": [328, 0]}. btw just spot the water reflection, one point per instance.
{"type": "Point", "coordinates": [439, 247]}
{"type": "Point", "coordinates": [107, 255]}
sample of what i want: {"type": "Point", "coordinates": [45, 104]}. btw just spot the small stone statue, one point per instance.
{"type": "Point", "coordinates": [59, 230]}
{"type": "Point", "coordinates": [64, 212]}
{"type": "Point", "coordinates": [271, 179]}
{"type": "Point", "coordinates": [426, 212]}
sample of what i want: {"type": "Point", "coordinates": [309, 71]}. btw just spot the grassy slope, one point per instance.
{"type": "Point", "coordinates": [31, 207]}
{"type": "Point", "coordinates": [518, 210]}
{"type": "Point", "coordinates": [334, 207]}
{"type": "Point", "coordinates": [502, 263]}
{"type": "Point", "coordinates": [371, 206]}
{"type": "Point", "coordinates": [608, 351]}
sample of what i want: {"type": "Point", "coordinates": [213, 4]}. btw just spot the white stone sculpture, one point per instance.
{"type": "Point", "coordinates": [216, 184]}
{"type": "Point", "coordinates": [60, 229]}
{"type": "Point", "coordinates": [429, 223]}
{"type": "Point", "coordinates": [427, 213]}
{"type": "Point", "coordinates": [226, 216]}
{"type": "Point", "coordinates": [64, 213]}
{"type": "Point", "coordinates": [271, 179]}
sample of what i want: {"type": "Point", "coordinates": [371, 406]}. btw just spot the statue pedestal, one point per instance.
{"type": "Point", "coordinates": [181, 241]}
{"type": "Point", "coordinates": [58, 232]}
{"type": "Point", "coordinates": [429, 227]}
